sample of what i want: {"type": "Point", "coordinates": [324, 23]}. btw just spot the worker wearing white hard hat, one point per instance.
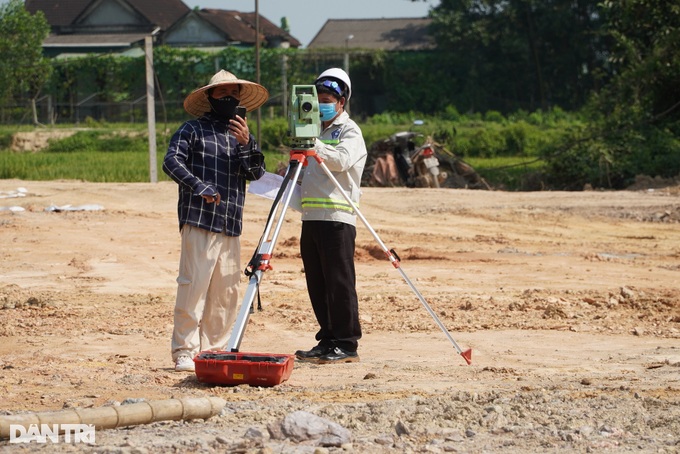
{"type": "Point", "coordinates": [340, 76]}
{"type": "Point", "coordinates": [327, 241]}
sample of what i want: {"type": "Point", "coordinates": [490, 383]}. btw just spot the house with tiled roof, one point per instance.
{"type": "Point", "coordinates": [217, 28]}
{"type": "Point", "coordinates": [120, 26]}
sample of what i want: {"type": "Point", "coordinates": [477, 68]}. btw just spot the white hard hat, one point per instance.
{"type": "Point", "coordinates": [339, 74]}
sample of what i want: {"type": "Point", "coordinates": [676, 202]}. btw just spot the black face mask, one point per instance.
{"type": "Point", "coordinates": [224, 108]}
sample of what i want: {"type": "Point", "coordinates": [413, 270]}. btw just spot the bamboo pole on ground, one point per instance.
{"type": "Point", "coordinates": [121, 415]}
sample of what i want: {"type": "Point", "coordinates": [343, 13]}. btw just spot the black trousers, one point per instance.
{"type": "Point", "coordinates": [327, 250]}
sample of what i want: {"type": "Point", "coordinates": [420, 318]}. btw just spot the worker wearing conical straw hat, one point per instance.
{"type": "Point", "coordinates": [251, 95]}
{"type": "Point", "coordinates": [210, 158]}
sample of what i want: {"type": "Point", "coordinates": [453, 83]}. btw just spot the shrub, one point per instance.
{"type": "Point", "coordinates": [494, 117]}
{"type": "Point", "coordinates": [611, 160]}
{"type": "Point", "coordinates": [99, 140]}
{"type": "Point", "coordinates": [274, 134]}
{"type": "Point", "coordinates": [445, 134]}
{"type": "Point", "coordinates": [451, 113]}
{"type": "Point", "coordinates": [481, 143]}
{"type": "Point", "coordinates": [516, 136]}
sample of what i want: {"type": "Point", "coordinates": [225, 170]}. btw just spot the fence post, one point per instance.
{"type": "Point", "coordinates": [150, 108]}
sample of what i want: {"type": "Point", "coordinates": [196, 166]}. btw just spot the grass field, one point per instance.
{"type": "Point", "coordinates": [119, 153]}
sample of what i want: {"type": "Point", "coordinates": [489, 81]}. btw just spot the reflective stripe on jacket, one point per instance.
{"type": "Point", "coordinates": [343, 150]}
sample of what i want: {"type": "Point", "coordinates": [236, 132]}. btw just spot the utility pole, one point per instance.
{"type": "Point", "coordinates": [284, 80]}
{"type": "Point", "coordinates": [151, 108]}
{"type": "Point", "coordinates": [257, 61]}
{"type": "Point", "coordinates": [349, 37]}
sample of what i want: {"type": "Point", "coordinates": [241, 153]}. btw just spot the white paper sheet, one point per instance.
{"type": "Point", "coordinates": [268, 186]}
{"type": "Point", "coordinates": [20, 192]}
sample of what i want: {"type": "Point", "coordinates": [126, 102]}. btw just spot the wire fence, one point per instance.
{"type": "Point", "coordinates": [90, 109]}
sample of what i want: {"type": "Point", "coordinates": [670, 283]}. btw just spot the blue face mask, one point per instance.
{"type": "Point", "coordinates": [327, 111]}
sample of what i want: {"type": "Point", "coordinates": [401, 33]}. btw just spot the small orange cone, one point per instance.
{"type": "Point", "coordinates": [467, 356]}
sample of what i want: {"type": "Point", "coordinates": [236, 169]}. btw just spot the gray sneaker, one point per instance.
{"type": "Point", "coordinates": [184, 363]}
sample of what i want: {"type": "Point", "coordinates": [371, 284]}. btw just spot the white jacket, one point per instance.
{"type": "Point", "coordinates": [343, 150]}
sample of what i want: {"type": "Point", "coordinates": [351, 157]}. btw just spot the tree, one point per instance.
{"type": "Point", "coordinates": [633, 123]}
{"type": "Point", "coordinates": [646, 56]}
{"type": "Point", "coordinates": [23, 68]}
{"type": "Point", "coordinates": [284, 25]}
{"type": "Point", "coordinates": [520, 54]}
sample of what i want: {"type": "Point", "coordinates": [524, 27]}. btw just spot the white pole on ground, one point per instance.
{"type": "Point", "coordinates": [257, 66]}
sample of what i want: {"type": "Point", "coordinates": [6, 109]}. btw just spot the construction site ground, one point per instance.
{"type": "Point", "coordinates": [569, 301]}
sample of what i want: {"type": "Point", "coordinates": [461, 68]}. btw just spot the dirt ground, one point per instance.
{"type": "Point", "coordinates": [569, 301]}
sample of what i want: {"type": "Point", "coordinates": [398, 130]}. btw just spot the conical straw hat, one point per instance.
{"type": "Point", "coordinates": [253, 95]}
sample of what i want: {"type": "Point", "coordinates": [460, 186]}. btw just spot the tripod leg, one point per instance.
{"type": "Point", "coordinates": [244, 313]}
{"type": "Point", "coordinates": [467, 354]}
{"type": "Point", "coordinates": [260, 260]}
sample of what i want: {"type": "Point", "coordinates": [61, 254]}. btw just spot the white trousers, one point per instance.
{"type": "Point", "coordinates": [207, 291]}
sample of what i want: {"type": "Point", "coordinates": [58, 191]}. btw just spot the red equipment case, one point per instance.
{"type": "Point", "coordinates": [237, 368]}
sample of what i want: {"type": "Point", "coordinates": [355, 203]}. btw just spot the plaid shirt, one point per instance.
{"type": "Point", "coordinates": [204, 159]}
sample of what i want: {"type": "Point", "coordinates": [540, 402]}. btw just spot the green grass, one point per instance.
{"type": "Point", "coordinates": [100, 167]}
{"type": "Point", "coordinates": [102, 154]}
{"type": "Point", "coordinates": [93, 166]}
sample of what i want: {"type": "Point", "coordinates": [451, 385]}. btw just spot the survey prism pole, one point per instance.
{"type": "Point", "coordinates": [467, 354]}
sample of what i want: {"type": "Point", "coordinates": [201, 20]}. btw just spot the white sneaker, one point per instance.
{"type": "Point", "coordinates": [184, 363]}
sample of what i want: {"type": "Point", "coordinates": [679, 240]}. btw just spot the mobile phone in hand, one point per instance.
{"type": "Point", "coordinates": [240, 111]}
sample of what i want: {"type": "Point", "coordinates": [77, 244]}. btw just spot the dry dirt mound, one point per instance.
{"type": "Point", "coordinates": [37, 140]}
{"type": "Point", "coordinates": [647, 183]}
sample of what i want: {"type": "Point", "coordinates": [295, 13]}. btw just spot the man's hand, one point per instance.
{"type": "Point", "coordinates": [212, 198]}
{"type": "Point", "coordinates": [239, 128]}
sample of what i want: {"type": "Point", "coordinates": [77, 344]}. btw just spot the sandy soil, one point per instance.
{"type": "Point", "coordinates": [569, 302]}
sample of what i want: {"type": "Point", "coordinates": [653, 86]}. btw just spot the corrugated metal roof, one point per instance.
{"type": "Point", "coordinates": [387, 34]}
